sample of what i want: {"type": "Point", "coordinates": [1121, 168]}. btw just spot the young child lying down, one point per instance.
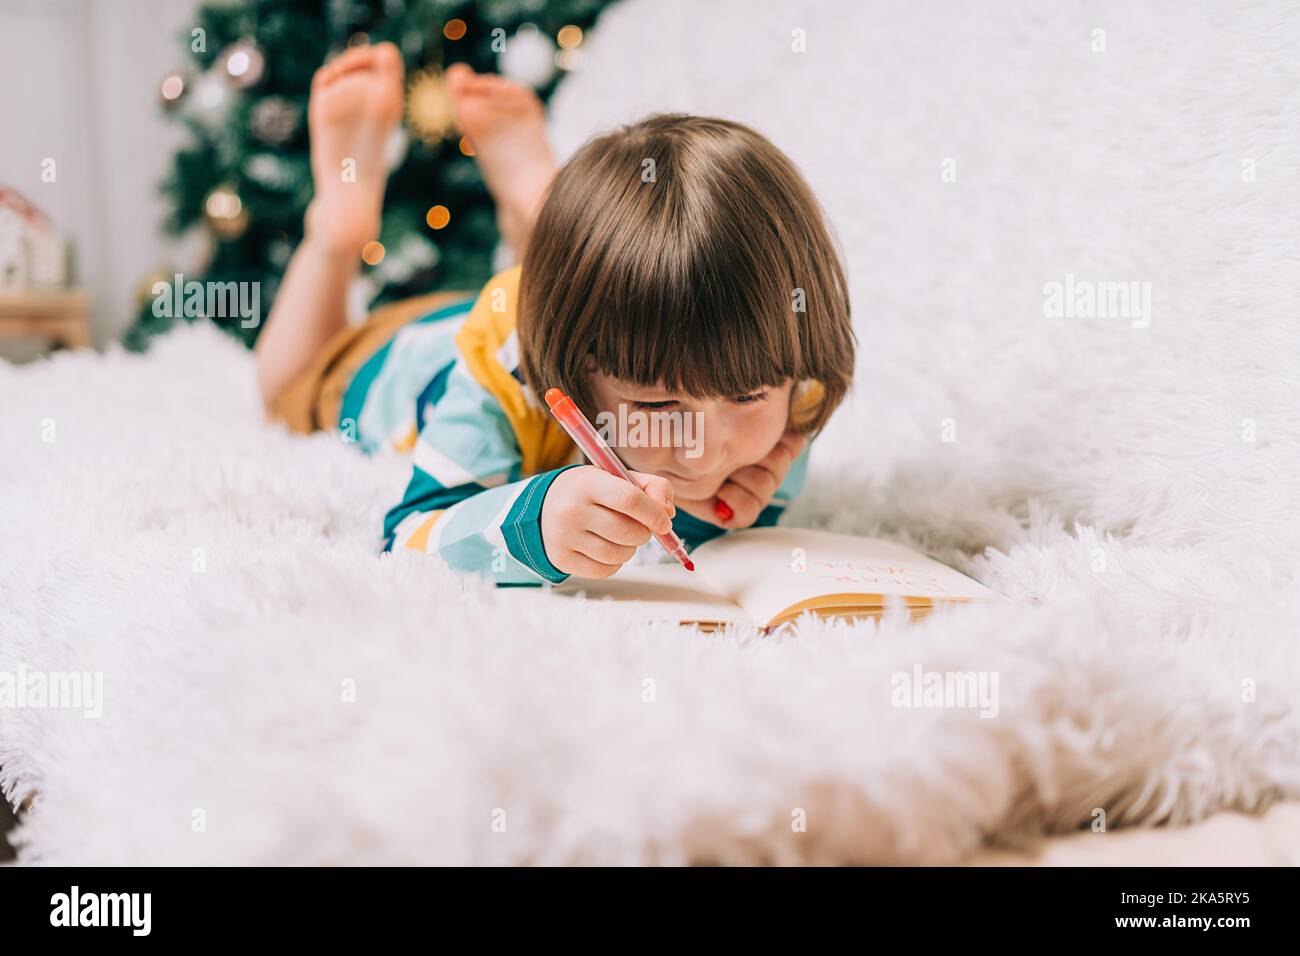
{"type": "Point", "coordinates": [676, 265]}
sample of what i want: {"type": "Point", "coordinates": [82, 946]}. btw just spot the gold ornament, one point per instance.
{"type": "Point", "coordinates": [273, 120]}
{"type": "Point", "coordinates": [428, 106]}
{"type": "Point", "coordinates": [225, 213]}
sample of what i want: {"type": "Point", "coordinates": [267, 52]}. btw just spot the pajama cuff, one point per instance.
{"type": "Point", "coordinates": [522, 528]}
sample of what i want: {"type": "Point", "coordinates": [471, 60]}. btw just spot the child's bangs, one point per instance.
{"type": "Point", "coordinates": [715, 338]}
{"type": "Point", "coordinates": [687, 254]}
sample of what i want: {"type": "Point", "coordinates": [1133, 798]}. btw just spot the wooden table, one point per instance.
{"type": "Point", "coordinates": [60, 315]}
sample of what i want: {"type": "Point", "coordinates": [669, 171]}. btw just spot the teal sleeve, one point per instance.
{"type": "Point", "coordinates": [522, 529]}
{"type": "Point", "coordinates": [467, 499]}
{"type": "Point", "coordinates": [495, 532]}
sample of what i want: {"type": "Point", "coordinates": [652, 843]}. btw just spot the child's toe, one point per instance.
{"type": "Point", "coordinates": [355, 58]}
{"type": "Point", "coordinates": [387, 57]}
{"type": "Point", "coordinates": [458, 74]}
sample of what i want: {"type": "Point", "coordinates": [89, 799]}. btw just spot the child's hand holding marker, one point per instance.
{"type": "Point", "coordinates": [595, 517]}
{"type": "Point", "coordinates": [593, 522]}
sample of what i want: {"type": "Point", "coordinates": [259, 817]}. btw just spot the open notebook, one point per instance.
{"type": "Point", "coordinates": [768, 576]}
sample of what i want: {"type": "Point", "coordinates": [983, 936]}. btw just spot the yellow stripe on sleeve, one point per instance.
{"type": "Point", "coordinates": [407, 441]}
{"type": "Point", "coordinates": [419, 539]}
{"type": "Point", "coordinates": [543, 443]}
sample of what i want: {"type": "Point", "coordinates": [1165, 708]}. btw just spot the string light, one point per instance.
{"type": "Point", "coordinates": [238, 63]}
{"type": "Point", "coordinates": [438, 217]}
{"type": "Point", "coordinates": [172, 88]}
{"type": "Point", "coordinates": [454, 29]}
{"type": "Point", "coordinates": [372, 253]}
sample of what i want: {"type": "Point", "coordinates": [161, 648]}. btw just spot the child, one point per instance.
{"type": "Point", "coordinates": [679, 264]}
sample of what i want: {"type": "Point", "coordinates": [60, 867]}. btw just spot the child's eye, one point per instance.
{"type": "Point", "coordinates": [739, 400]}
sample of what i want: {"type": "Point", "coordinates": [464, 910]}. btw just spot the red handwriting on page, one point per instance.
{"type": "Point", "coordinates": [861, 572]}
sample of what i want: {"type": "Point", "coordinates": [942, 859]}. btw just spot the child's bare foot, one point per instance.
{"type": "Point", "coordinates": [506, 124]}
{"type": "Point", "coordinates": [356, 100]}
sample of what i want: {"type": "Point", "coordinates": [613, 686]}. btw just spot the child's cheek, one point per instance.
{"type": "Point", "coordinates": [765, 431]}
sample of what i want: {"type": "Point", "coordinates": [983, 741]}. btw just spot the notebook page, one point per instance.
{"type": "Point", "coordinates": [759, 569]}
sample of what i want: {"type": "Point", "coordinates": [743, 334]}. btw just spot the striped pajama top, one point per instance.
{"type": "Point", "coordinates": [447, 390]}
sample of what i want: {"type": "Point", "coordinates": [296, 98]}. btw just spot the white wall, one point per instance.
{"type": "Point", "coordinates": [79, 84]}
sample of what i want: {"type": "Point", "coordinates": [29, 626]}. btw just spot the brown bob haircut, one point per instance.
{"type": "Point", "coordinates": [685, 272]}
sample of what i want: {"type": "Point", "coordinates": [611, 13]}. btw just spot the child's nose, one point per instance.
{"type": "Point", "coordinates": [707, 451]}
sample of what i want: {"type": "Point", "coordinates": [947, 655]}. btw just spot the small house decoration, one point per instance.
{"type": "Point", "coordinates": [33, 255]}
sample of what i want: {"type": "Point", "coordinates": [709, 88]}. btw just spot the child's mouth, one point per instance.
{"type": "Point", "coordinates": [694, 485]}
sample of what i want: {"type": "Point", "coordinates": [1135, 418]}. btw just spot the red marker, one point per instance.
{"type": "Point", "coordinates": [602, 456]}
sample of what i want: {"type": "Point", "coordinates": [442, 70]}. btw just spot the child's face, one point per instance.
{"type": "Point", "coordinates": [699, 442]}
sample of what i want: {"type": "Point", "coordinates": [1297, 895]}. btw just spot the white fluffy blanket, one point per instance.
{"type": "Point", "coordinates": [276, 693]}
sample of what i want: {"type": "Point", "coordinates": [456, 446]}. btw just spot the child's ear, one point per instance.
{"type": "Point", "coordinates": [590, 364]}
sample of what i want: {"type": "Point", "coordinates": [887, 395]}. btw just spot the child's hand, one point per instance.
{"type": "Point", "coordinates": [747, 491]}
{"type": "Point", "coordinates": [592, 521]}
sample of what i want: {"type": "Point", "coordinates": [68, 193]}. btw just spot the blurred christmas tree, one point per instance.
{"type": "Point", "coordinates": [246, 175]}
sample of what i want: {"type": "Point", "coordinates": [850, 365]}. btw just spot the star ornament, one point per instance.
{"type": "Point", "coordinates": [429, 112]}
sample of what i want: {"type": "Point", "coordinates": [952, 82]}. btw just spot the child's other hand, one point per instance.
{"type": "Point", "coordinates": [593, 522]}
{"type": "Point", "coordinates": [747, 491]}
